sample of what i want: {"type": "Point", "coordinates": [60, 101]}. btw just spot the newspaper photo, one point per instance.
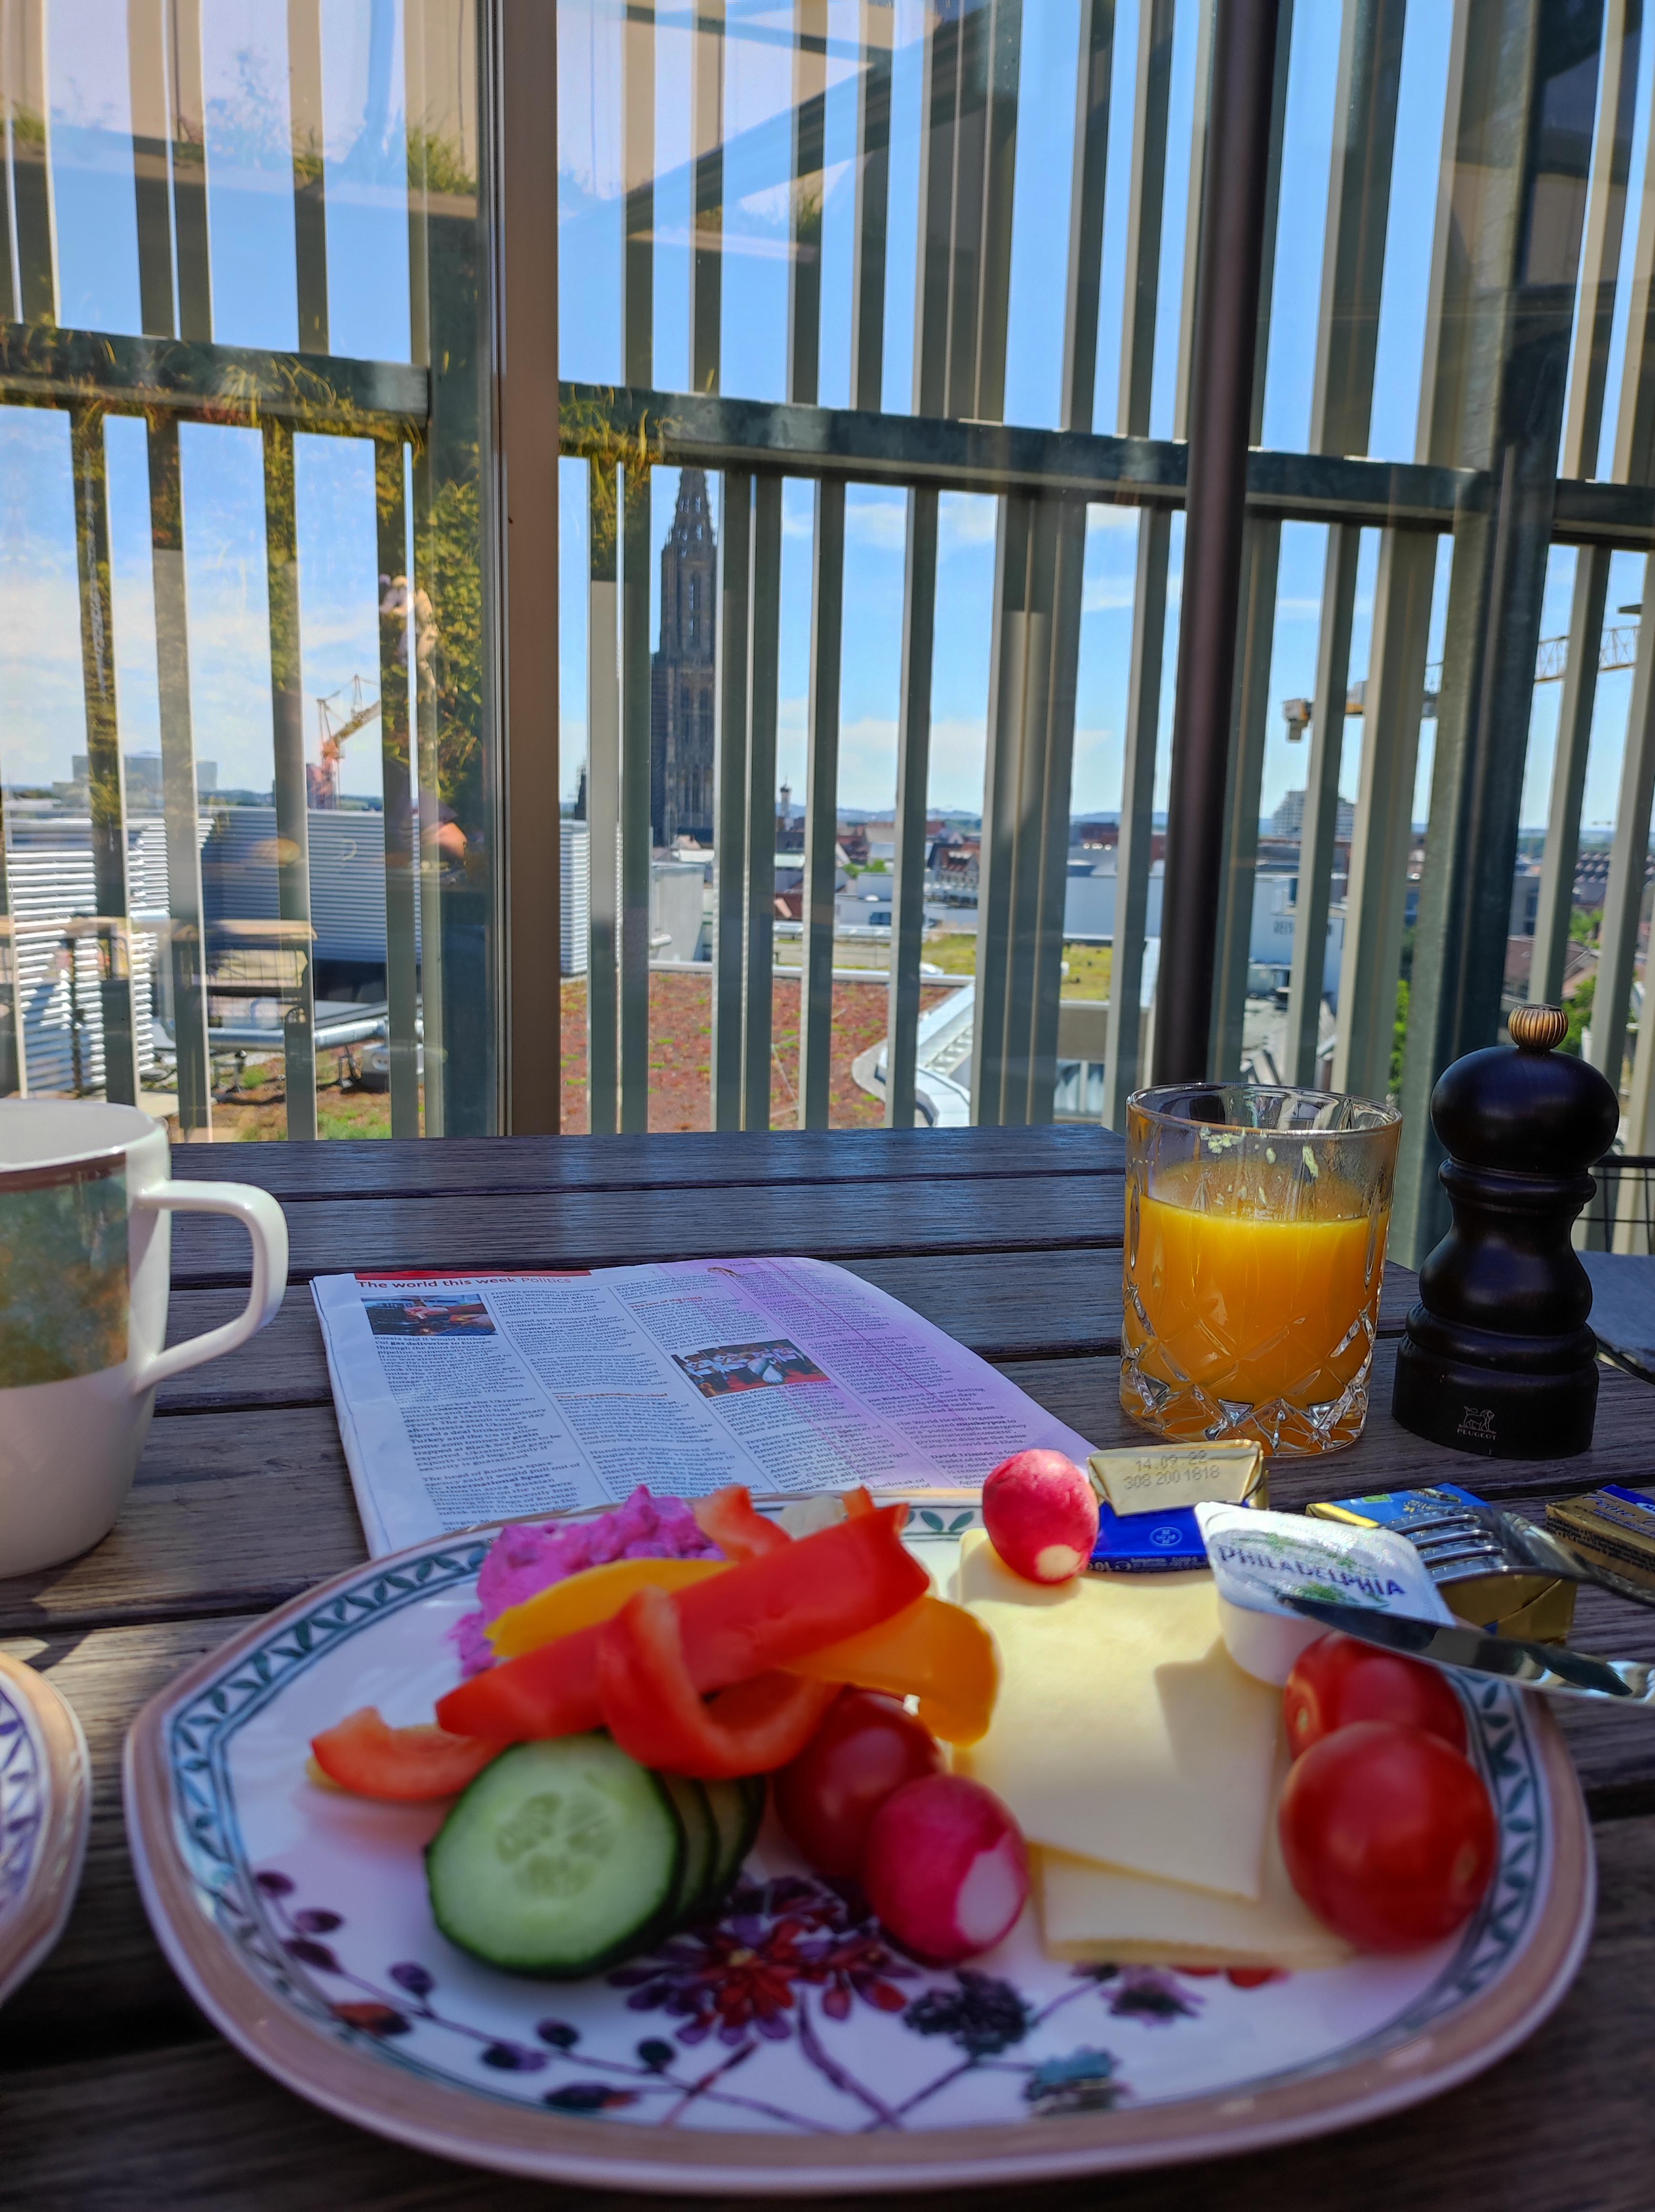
{"type": "Point", "coordinates": [494, 1396]}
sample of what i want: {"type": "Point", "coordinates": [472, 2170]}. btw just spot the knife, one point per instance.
{"type": "Point", "coordinates": [1499, 1658]}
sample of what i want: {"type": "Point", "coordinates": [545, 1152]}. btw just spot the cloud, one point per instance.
{"type": "Point", "coordinates": [1106, 595]}
{"type": "Point", "coordinates": [878, 520]}
{"type": "Point", "coordinates": [965, 520]}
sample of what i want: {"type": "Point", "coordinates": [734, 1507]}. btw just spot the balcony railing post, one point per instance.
{"type": "Point", "coordinates": [28, 104]}
{"type": "Point", "coordinates": [602, 800]}
{"type": "Point", "coordinates": [396, 644]}
{"type": "Point", "coordinates": [707, 66]}
{"type": "Point", "coordinates": [804, 213]}
{"type": "Point", "coordinates": [1318, 830]}
{"type": "Point", "coordinates": [1256, 642]}
{"type": "Point", "coordinates": [729, 798]}
{"type": "Point", "coordinates": [1623, 897]}
{"type": "Point", "coordinates": [873, 176]}
{"type": "Point", "coordinates": [821, 810]}
{"type": "Point", "coordinates": [292, 787]}
{"type": "Point", "coordinates": [764, 670]}
{"type": "Point", "coordinates": [14, 1063]}
{"type": "Point", "coordinates": [187, 949]}
{"type": "Point", "coordinates": [1555, 906]}
{"type": "Point", "coordinates": [1500, 316]}
{"type": "Point", "coordinates": [635, 834]}
{"type": "Point", "coordinates": [912, 775]}
{"type": "Point", "coordinates": [309, 213]}
{"type": "Point", "coordinates": [1232, 221]}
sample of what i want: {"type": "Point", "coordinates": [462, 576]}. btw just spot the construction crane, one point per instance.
{"type": "Point", "coordinates": [1618, 649]}
{"type": "Point", "coordinates": [333, 724]}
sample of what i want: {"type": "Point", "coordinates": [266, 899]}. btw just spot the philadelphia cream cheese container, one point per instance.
{"type": "Point", "coordinates": [1255, 1557]}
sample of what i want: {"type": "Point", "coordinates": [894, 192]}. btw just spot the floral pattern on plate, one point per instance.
{"type": "Point", "coordinates": [23, 1796]}
{"type": "Point", "coordinates": [790, 2011]}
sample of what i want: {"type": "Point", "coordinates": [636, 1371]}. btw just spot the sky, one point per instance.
{"type": "Point", "coordinates": [252, 268]}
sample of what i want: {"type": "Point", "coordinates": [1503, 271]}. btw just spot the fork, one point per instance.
{"type": "Point", "coordinates": [1472, 1537]}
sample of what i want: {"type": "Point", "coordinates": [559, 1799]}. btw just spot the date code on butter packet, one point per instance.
{"type": "Point", "coordinates": [1163, 1478]}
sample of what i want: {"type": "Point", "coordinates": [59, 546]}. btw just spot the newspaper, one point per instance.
{"type": "Point", "coordinates": [492, 1396]}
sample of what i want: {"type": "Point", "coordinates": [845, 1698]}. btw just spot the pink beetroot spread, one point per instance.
{"type": "Point", "coordinates": [524, 1559]}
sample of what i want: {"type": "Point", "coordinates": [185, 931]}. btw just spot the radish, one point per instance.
{"type": "Point", "coordinates": [1041, 1514]}
{"type": "Point", "coordinates": [945, 1867]}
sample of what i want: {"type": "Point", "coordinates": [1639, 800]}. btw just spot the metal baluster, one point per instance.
{"type": "Point", "coordinates": [14, 1060]}
{"type": "Point", "coordinates": [1200, 124]}
{"type": "Point", "coordinates": [707, 279]}
{"type": "Point", "coordinates": [1255, 643]}
{"type": "Point", "coordinates": [1495, 404]}
{"type": "Point", "coordinates": [764, 671]}
{"type": "Point", "coordinates": [1376, 896]}
{"type": "Point", "coordinates": [1623, 897]}
{"type": "Point", "coordinates": [638, 167]}
{"type": "Point", "coordinates": [1081, 291]}
{"type": "Point", "coordinates": [636, 848]}
{"type": "Point", "coordinates": [103, 748]}
{"type": "Point", "coordinates": [396, 785]}
{"type": "Point", "coordinates": [292, 789]}
{"type": "Point", "coordinates": [805, 266]}
{"type": "Point", "coordinates": [912, 771]}
{"type": "Point", "coordinates": [602, 800]}
{"type": "Point", "coordinates": [146, 56]}
{"type": "Point", "coordinates": [995, 868]}
{"type": "Point", "coordinates": [873, 179]}
{"type": "Point", "coordinates": [29, 138]}
{"type": "Point", "coordinates": [1135, 838]}
{"type": "Point", "coordinates": [428, 800]}
{"type": "Point", "coordinates": [188, 161]}
{"type": "Point", "coordinates": [187, 938]}
{"type": "Point", "coordinates": [1600, 259]}
{"type": "Point", "coordinates": [730, 797]}
{"type": "Point", "coordinates": [822, 808]}
{"type": "Point", "coordinates": [310, 216]}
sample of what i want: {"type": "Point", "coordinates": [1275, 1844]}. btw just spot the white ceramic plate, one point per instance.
{"type": "Point", "coordinates": [45, 1796]}
{"type": "Point", "coordinates": [787, 2048]}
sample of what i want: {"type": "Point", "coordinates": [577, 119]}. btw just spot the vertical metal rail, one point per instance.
{"type": "Point", "coordinates": [1583, 422]}
{"type": "Point", "coordinates": [523, 234]}
{"type": "Point", "coordinates": [1623, 895]}
{"type": "Point", "coordinates": [152, 132]}
{"type": "Point", "coordinates": [822, 808]}
{"type": "Point", "coordinates": [804, 264]}
{"type": "Point", "coordinates": [292, 794]}
{"type": "Point", "coordinates": [730, 796]}
{"type": "Point", "coordinates": [396, 786]}
{"type": "Point", "coordinates": [1233, 205]}
{"type": "Point", "coordinates": [1255, 645]}
{"type": "Point", "coordinates": [1135, 837]}
{"type": "Point", "coordinates": [638, 176]}
{"type": "Point", "coordinates": [309, 213]}
{"type": "Point", "coordinates": [1502, 317]}
{"type": "Point", "coordinates": [28, 108]}
{"type": "Point", "coordinates": [103, 748]}
{"type": "Point", "coordinates": [636, 849]}
{"type": "Point", "coordinates": [913, 775]}
{"type": "Point", "coordinates": [1321, 816]}
{"type": "Point", "coordinates": [1376, 898]}
{"type": "Point", "coordinates": [1091, 167]}
{"type": "Point", "coordinates": [187, 937]}
{"type": "Point", "coordinates": [873, 187]}
{"type": "Point", "coordinates": [707, 66]}
{"type": "Point", "coordinates": [189, 155]}
{"type": "Point", "coordinates": [603, 800]}
{"type": "Point", "coordinates": [14, 1059]}
{"type": "Point", "coordinates": [1195, 202]}
{"type": "Point", "coordinates": [764, 671]}
{"type": "Point", "coordinates": [1261, 561]}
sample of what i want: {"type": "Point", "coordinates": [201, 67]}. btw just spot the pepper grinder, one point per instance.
{"type": "Point", "coordinates": [1498, 1358]}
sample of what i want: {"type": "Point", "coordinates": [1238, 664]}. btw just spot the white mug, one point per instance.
{"type": "Point", "coordinates": [85, 1262]}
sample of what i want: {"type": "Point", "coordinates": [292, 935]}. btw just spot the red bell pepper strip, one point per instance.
{"type": "Point", "coordinates": [730, 1520]}
{"type": "Point", "coordinates": [757, 1615]}
{"type": "Point", "coordinates": [364, 1754]}
{"type": "Point", "coordinates": [653, 1709]}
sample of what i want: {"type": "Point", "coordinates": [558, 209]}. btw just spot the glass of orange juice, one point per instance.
{"type": "Point", "coordinates": [1256, 1223]}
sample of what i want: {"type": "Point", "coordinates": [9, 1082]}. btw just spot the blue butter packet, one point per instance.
{"type": "Point", "coordinates": [1401, 1510]}
{"type": "Point", "coordinates": [1147, 1543]}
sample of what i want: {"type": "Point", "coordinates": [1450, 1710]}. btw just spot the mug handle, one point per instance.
{"type": "Point", "coordinates": [266, 1224]}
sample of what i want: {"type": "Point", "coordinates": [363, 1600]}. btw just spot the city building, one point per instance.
{"type": "Point", "coordinates": [683, 672]}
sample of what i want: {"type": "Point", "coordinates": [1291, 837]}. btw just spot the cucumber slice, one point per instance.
{"type": "Point", "coordinates": [559, 1858]}
{"type": "Point", "coordinates": [737, 1808]}
{"type": "Point", "coordinates": [700, 1844]}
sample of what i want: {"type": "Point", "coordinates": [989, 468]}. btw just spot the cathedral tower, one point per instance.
{"type": "Point", "coordinates": [682, 673]}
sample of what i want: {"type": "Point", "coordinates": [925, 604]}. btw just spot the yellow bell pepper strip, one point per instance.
{"type": "Point", "coordinates": [365, 1755]}
{"type": "Point", "coordinates": [935, 1651]}
{"type": "Point", "coordinates": [653, 1710]}
{"type": "Point", "coordinates": [757, 1615]}
{"type": "Point", "coordinates": [588, 1599]}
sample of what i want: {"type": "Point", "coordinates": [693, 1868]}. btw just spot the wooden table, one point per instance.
{"type": "Point", "coordinates": [115, 2093]}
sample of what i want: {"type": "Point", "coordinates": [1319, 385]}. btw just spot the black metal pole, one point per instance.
{"type": "Point", "coordinates": [1220, 397]}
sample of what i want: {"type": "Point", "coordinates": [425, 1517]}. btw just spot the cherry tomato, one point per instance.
{"type": "Point", "coordinates": [867, 1747]}
{"type": "Point", "coordinates": [1388, 1834]}
{"type": "Point", "coordinates": [1339, 1679]}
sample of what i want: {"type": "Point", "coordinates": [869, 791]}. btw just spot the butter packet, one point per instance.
{"type": "Point", "coordinates": [1147, 1497]}
{"type": "Point", "coordinates": [1613, 1526]}
{"type": "Point", "coordinates": [1255, 1557]}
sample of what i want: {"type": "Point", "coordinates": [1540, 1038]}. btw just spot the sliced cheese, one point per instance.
{"type": "Point", "coordinates": [1124, 1731]}
{"type": "Point", "coordinates": [1090, 1913]}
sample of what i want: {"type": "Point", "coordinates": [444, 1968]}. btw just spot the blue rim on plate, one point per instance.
{"type": "Point", "coordinates": [857, 2069]}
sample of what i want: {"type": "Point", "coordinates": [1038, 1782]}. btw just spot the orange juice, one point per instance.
{"type": "Point", "coordinates": [1258, 1287]}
